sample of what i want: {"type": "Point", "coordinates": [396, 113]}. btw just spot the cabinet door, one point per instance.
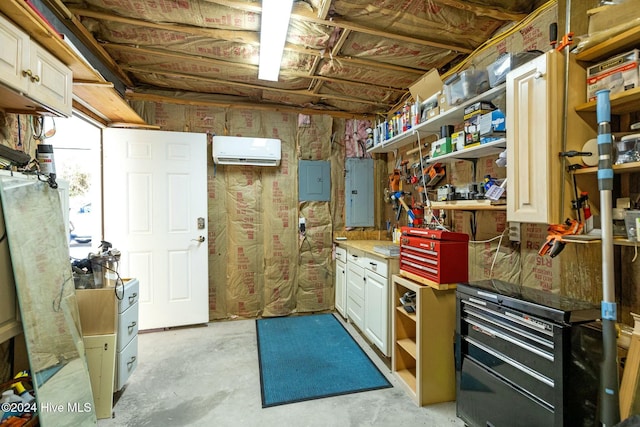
{"type": "Point", "coordinates": [355, 294]}
{"type": "Point", "coordinates": [341, 288]}
{"type": "Point", "coordinates": [14, 56]}
{"type": "Point", "coordinates": [101, 357]}
{"type": "Point", "coordinates": [376, 307]}
{"type": "Point", "coordinates": [532, 140]}
{"type": "Point", "coordinates": [52, 81]}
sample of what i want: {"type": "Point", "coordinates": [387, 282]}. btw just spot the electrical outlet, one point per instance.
{"type": "Point", "coordinates": [514, 231]}
{"type": "Point", "coordinates": [302, 225]}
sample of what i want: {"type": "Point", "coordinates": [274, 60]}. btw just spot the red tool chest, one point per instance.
{"type": "Point", "coordinates": [438, 255]}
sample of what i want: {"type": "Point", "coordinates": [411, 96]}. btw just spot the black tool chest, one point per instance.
{"type": "Point", "coordinates": [525, 357]}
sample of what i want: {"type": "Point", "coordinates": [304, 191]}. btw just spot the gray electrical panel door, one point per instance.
{"type": "Point", "coordinates": [314, 180]}
{"type": "Point", "coordinates": [359, 193]}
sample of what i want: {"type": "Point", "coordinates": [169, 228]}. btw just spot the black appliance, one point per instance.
{"type": "Point", "coordinates": [525, 357]}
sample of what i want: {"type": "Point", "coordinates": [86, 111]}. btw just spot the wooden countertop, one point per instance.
{"type": "Point", "coordinates": [367, 246]}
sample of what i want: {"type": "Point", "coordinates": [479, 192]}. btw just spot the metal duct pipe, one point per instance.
{"type": "Point", "coordinates": [610, 408]}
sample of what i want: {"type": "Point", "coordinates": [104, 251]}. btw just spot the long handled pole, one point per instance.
{"type": "Point", "coordinates": [610, 408]}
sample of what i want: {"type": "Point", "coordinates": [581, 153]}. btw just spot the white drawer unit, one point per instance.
{"type": "Point", "coordinates": [377, 265]}
{"type": "Point", "coordinates": [126, 363]}
{"type": "Point", "coordinates": [127, 326]}
{"type": "Point", "coordinates": [127, 346]}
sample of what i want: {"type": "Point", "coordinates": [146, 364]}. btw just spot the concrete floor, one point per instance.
{"type": "Point", "coordinates": [208, 376]}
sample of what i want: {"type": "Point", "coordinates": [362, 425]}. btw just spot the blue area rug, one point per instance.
{"type": "Point", "coordinates": [310, 357]}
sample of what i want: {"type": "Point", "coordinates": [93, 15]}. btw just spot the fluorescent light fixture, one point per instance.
{"type": "Point", "coordinates": [274, 26]}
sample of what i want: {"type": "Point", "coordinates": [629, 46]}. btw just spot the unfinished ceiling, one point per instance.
{"type": "Point", "coordinates": [355, 57]}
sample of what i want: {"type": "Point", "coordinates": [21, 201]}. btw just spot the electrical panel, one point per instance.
{"type": "Point", "coordinates": [314, 180]}
{"type": "Point", "coordinates": [359, 192]}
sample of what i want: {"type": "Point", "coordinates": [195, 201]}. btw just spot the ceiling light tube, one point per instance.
{"type": "Point", "coordinates": [274, 26]}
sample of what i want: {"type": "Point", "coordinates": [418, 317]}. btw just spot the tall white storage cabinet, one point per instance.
{"type": "Point", "coordinates": [341, 281]}
{"type": "Point", "coordinates": [534, 106]}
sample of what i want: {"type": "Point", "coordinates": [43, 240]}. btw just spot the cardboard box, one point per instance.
{"type": "Point", "coordinates": [472, 139]}
{"type": "Point", "coordinates": [426, 86]}
{"type": "Point", "coordinates": [443, 104]}
{"type": "Point", "coordinates": [617, 74]}
{"type": "Point", "coordinates": [433, 112]}
{"type": "Point", "coordinates": [492, 123]}
{"type": "Point", "coordinates": [457, 140]}
{"type": "Point", "coordinates": [480, 107]}
{"type": "Point", "coordinates": [472, 124]}
{"type": "Point", "coordinates": [441, 146]}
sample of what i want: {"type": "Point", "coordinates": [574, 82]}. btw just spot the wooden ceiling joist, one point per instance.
{"type": "Point", "coordinates": [136, 96]}
{"type": "Point", "coordinates": [211, 61]}
{"type": "Point", "coordinates": [252, 86]}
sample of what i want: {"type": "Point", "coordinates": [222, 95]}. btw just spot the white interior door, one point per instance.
{"type": "Point", "coordinates": [155, 213]}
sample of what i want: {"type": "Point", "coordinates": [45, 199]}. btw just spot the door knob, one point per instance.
{"type": "Point", "coordinates": [199, 239]}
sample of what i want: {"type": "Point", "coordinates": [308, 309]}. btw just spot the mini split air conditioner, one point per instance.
{"type": "Point", "coordinates": [235, 150]}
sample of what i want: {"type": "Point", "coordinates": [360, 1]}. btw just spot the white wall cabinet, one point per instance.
{"type": "Point", "coordinates": [35, 79]}
{"type": "Point", "coordinates": [534, 140]}
{"type": "Point", "coordinates": [341, 281]}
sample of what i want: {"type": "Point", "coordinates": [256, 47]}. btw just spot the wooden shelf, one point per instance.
{"type": "Point", "coordinates": [617, 241]}
{"type": "Point", "coordinates": [411, 316]}
{"type": "Point", "coordinates": [470, 205]}
{"type": "Point", "coordinates": [408, 345]}
{"type": "Point", "coordinates": [619, 43]}
{"type": "Point", "coordinates": [422, 355]}
{"type": "Point", "coordinates": [433, 125]}
{"type": "Point", "coordinates": [482, 150]}
{"type": "Point", "coordinates": [409, 378]}
{"type": "Point", "coordinates": [621, 103]}
{"type": "Point", "coordinates": [622, 168]}
{"type": "Point", "coordinates": [427, 282]}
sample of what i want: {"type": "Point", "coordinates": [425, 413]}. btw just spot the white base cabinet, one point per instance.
{"type": "Point", "coordinates": [368, 293]}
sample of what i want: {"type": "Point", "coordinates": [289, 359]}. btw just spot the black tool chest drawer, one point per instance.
{"type": "Point", "coordinates": [525, 357]}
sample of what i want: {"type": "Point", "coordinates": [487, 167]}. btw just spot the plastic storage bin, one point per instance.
{"type": "Point", "coordinates": [506, 62]}
{"type": "Point", "coordinates": [465, 85]}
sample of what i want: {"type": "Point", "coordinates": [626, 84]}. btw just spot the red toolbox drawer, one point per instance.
{"type": "Point", "coordinates": [441, 259]}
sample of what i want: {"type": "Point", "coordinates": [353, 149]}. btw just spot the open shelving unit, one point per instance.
{"type": "Point", "coordinates": [433, 125]}
{"type": "Point", "coordinates": [422, 356]}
